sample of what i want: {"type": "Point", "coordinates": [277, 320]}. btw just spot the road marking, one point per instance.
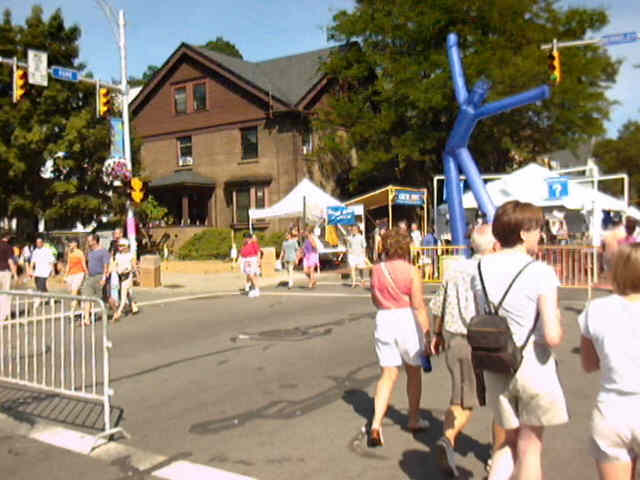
{"type": "Point", "coordinates": [187, 297]}
{"type": "Point", "coordinates": [182, 469]}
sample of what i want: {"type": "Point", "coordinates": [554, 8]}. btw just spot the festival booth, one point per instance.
{"type": "Point", "coordinates": [309, 202]}
{"type": "Point", "coordinates": [394, 195]}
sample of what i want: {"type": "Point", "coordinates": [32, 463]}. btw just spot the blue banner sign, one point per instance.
{"type": "Point", "coordinates": [117, 138]}
{"type": "Point", "coordinates": [558, 187]}
{"type": "Point", "coordinates": [67, 74]}
{"type": "Point", "coordinates": [340, 215]}
{"type": "Point", "coordinates": [409, 197]}
{"type": "Point", "coordinates": [618, 38]}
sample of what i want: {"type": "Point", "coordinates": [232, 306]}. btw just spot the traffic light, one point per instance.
{"type": "Point", "coordinates": [105, 102]}
{"type": "Point", "coordinates": [554, 66]}
{"type": "Point", "coordinates": [138, 192]}
{"type": "Point", "coordinates": [20, 84]}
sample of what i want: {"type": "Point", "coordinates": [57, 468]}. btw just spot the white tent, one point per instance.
{"type": "Point", "coordinates": [529, 184]}
{"type": "Point", "coordinates": [305, 196]}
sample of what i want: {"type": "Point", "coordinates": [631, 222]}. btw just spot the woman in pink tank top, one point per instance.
{"type": "Point", "coordinates": [402, 323]}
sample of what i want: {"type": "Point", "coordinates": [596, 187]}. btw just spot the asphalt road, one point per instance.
{"type": "Point", "coordinates": [281, 385]}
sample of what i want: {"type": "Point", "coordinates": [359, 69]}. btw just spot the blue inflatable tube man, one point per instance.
{"type": "Point", "coordinates": [456, 156]}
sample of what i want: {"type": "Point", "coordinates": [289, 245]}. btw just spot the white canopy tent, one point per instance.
{"type": "Point", "coordinates": [306, 198]}
{"type": "Point", "coordinates": [529, 184]}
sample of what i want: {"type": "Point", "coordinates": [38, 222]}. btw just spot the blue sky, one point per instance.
{"type": "Point", "coordinates": [263, 29]}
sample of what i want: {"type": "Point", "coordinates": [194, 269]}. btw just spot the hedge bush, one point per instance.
{"type": "Point", "coordinates": [216, 243]}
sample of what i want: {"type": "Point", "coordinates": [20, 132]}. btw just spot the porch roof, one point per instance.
{"type": "Point", "coordinates": [182, 178]}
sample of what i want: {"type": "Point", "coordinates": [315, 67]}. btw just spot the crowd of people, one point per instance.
{"type": "Point", "coordinates": [503, 276]}
{"type": "Point", "coordinates": [107, 274]}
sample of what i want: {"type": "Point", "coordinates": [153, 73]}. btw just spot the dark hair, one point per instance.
{"type": "Point", "coordinates": [514, 217]}
{"type": "Point", "coordinates": [247, 235]}
{"type": "Point", "coordinates": [626, 269]}
{"type": "Point", "coordinates": [630, 225]}
{"type": "Point", "coordinates": [94, 237]}
{"type": "Point", "coordinates": [396, 244]}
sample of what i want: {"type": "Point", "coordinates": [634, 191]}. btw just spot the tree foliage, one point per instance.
{"type": "Point", "coordinates": [393, 104]}
{"type": "Point", "coordinates": [51, 129]}
{"type": "Point", "coordinates": [146, 76]}
{"type": "Point", "coordinates": [223, 46]}
{"type": "Point", "coordinates": [621, 155]}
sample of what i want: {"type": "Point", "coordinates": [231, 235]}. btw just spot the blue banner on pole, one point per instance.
{"type": "Point", "coordinates": [117, 138]}
{"type": "Point", "coordinates": [409, 197]}
{"type": "Point", "coordinates": [340, 215]}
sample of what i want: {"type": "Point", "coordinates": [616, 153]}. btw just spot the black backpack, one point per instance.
{"type": "Point", "coordinates": [492, 345]}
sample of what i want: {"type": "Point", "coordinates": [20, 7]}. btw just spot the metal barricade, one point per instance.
{"type": "Point", "coordinates": [575, 265]}
{"type": "Point", "coordinates": [58, 344]}
{"type": "Point", "coordinates": [432, 261]}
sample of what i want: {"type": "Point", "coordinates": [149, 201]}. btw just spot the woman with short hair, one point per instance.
{"type": "Point", "coordinates": [609, 342]}
{"type": "Point", "coordinates": [402, 323]}
{"type": "Point", "coordinates": [311, 258]}
{"type": "Point", "coordinates": [532, 399]}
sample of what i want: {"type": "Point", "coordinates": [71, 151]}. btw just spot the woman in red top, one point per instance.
{"type": "Point", "coordinates": [250, 264]}
{"type": "Point", "coordinates": [402, 323]}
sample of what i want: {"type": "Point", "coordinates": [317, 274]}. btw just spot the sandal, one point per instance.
{"type": "Point", "coordinates": [375, 438]}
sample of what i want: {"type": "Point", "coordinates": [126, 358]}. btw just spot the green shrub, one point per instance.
{"type": "Point", "coordinates": [216, 243]}
{"type": "Point", "coordinates": [208, 244]}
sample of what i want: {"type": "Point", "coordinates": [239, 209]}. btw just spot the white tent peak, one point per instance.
{"type": "Point", "coordinates": [293, 204]}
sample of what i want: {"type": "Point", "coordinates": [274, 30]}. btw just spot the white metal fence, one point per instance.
{"type": "Point", "coordinates": [58, 344]}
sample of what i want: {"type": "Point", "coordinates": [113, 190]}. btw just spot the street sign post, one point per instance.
{"type": "Point", "coordinates": [67, 74]}
{"type": "Point", "coordinates": [37, 66]}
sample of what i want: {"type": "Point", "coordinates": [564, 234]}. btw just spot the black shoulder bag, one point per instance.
{"type": "Point", "coordinates": [492, 345]}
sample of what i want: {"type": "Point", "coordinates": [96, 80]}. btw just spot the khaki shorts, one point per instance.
{"type": "Point", "coordinates": [457, 357]}
{"type": "Point", "coordinates": [533, 396]}
{"type": "Point", "coordinates": [91, 287]}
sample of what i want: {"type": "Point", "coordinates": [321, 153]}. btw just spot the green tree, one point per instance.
{"type": "Point", "coordinates": [52, 128]}
{"type": "Point", "coordinates": [223, 46]}
{"type": "Point", "coordinates": [393, 105]}
{"type": "Point", "coordinates": [621, 155]}
{"type": "Point", "coordinates": [146, 76]}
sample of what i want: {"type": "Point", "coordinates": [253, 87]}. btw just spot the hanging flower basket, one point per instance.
{"type": "Point", "coordinates": [116, 172]}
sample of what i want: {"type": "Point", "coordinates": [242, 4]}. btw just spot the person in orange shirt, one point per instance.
{"type": "Point", "coordinates": [76, 269]}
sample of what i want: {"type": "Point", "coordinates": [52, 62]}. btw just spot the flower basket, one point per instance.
{"type": "Point", "coordinates": [116, 172]}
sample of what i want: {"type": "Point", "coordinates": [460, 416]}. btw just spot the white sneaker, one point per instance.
{"type": "Point", "coordinates": [247, 287]}
{"type": "Point", "coordinates": [254, 293]}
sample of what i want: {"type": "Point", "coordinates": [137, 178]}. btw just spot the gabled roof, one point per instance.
{"type": "Point", "coordinates": [286, 79]}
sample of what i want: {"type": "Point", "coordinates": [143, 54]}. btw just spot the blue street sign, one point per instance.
{"type": "Point", "coordinates": [618, 38]}
{"type": "Point", "coordinates": [558, 187]}
{"type": "Point", "coordinates": [67, 74]}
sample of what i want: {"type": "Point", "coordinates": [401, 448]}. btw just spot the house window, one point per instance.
{"type": "Point", "coordinates": [185, 152]}
{"type": "Point", "coordinates": [249, 143]}
{"type": "Point", "coordinates": [260, 196]}
{"type": "Point", "coordinates": [243, 203]}
{"type": "Point", "coordinates": [180, 99]}
{"type": "Point", "coordinates": [307, 141]}
{"type": "Point", "coordinates": [199, 97]}
{"type": "Point", "coordinates": [246, 197]}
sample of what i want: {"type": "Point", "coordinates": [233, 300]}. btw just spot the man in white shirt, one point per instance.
{"type": "Point", "coordinates": [42, 261]}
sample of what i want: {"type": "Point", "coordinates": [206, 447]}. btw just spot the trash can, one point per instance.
{"type": "Point", "coordinates": [150, 271]}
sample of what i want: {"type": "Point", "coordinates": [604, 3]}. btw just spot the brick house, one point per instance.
{"type": "Point", "coordinates": [221, 135]}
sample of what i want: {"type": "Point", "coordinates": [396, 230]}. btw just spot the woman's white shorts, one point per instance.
{"type": "Point", "coordinates": [357, 261]}
{"type": "Point", "coordinates": [615, 430]}
{"type": "Point", "coordinates": [398, 338]}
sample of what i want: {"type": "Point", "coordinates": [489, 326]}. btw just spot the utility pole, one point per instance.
{"type": "Point", "coordinates": [124, 87]}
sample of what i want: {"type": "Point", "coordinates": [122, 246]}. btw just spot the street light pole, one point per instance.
{"type": "Point", "coordinates": [131, 224]}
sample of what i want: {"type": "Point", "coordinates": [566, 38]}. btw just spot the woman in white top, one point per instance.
{"type": "Point", "coordinates": [609, 342]}
{"type": "Point", "coordinates": [124, 265]}
{"type": "Point", "coordinates": [532, 399]}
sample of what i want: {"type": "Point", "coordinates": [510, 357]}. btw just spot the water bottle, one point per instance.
{"type": "Point", "coordinates": [425, 360]}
